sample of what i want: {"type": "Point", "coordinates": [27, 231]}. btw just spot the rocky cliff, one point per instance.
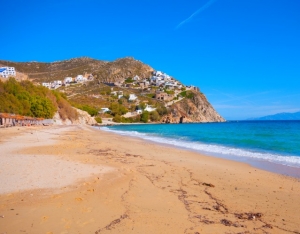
{"type": "Point", "coordinates": [196, 108]}
{"type": "Point", "coordinates": [83, 118]}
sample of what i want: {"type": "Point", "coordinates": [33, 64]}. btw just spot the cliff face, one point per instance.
{"type": "Point", "coordinates": [83, 118]}
{"type": "Point", "coordinates": [193, 109]}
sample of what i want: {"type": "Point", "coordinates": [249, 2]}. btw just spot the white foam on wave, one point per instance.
{"type": "Point", "coordinates": [293, 161]}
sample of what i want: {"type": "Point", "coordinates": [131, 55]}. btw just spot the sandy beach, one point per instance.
{"type": "Point", "coordinates": [77, 179]}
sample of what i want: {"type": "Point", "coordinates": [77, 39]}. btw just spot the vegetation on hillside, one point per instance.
{"type": "Point", "coordinates": [110, 88]}
{"type": "Point", "coordinates": [89, 109]}
{"type": "Point", "coordinates": [24, 98]}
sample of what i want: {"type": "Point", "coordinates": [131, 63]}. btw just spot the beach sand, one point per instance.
{"type": "Point", "coordinates": [76, 179]}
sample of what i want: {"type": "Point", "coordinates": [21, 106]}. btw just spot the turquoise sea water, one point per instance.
{"type": "Point", "coordinates": [265, 141]}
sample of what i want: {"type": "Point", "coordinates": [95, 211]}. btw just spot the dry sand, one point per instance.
{"type": "Point", "coordinates": [75, 179]}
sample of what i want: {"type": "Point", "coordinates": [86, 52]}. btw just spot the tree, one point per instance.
{"type": "Point", "coordinates": [117, 118]}
{"type": "Point", "coordinates": [117, 109]}
{"type": "Point", "coordinates": [145, 116]}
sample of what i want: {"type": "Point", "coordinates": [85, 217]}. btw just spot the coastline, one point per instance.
{"type": "Point", "coordinates": [150, 188]}
{"type": "Point", "coordinates": [269, 161]}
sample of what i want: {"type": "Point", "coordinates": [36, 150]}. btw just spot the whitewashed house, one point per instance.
{"type": "Point", "coordinates": [120, 94]}
{"type": "Point", "coordinates": [159, 82]}
{"type": "Point", "coordinates": [68, 80]}
{"type": "Point", "coordinates": [136, 78]}
{"type": "Point", "coordinates": [149, 108]}
{"type": "Point", "coordinates": [6, 72]}
{"type": "Point", "coordinates": [104, 110]}
{"type": "Point", "coordinates": [47, 85]}
{"type": "Point", "coordinates": [157, 73]}
{"type": "Point", "coordinates": [132, 97]}
{"type": "Point", "coordinates": [79, 78]}
{"type": "Point", "coordinates": [58, 82]}
{"type": "Point", "coordinates": [155, 78]}
{"type": "Point", "coordinates": [171, 85]}
{"type": "Point", "coordinates": [139, 111]}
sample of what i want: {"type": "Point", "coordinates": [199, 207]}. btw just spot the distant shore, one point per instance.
{"type": "Point", "coordinates": [68, 179]}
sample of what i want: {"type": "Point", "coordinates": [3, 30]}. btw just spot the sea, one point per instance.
{"type": "Point", "coordinates": [269, 145]}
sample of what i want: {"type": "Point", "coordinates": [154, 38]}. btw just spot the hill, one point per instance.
{"type": "Point", "coordinates": [102, 70]}
{"type": "Point", "coordinates": [127, 87]}
{"type": "Point", "coordinates": [280, 116]}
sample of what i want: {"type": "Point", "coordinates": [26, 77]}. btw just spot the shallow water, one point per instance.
{"type": "Point", "coordinates": [251, 141]}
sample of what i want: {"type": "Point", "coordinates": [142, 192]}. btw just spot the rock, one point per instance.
{"type": "Point", "coordinates": [83, 118]}
{"type": "Point", "coordinates": [192, 110]}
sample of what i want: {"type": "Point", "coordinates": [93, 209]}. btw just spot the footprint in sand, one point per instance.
{"type": "Point", "coordinates": [78, 199]}
{"type": "Point", "coordinates": [44, 218]}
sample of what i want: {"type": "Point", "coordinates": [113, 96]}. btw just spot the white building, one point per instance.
{"type": "Point", "coordinates": [155, 78]}
{"type": "Point", "coordinates": [68, 80]}
{"type": "Point", "coordinates": [47, 85]}
{"type": "Point", "coordinates": [58, 82]}
{"type": "Point", "coordinates": [157, 73]}
{"type": "Point", "coordinates": [136, 78]}
{"type": "Point", "coordinates": [104, 110]}
{"type": "Point", "coordinates": [139, 111]}
{"type": "Point", "coordinates": [159, 82]}
{"type": "Point", "coordinates": [149, 108]}
{"type": "Point", "coordinates": [80, 78]}
{"type": "Point", "coordinates": [6, 72]}
{"type": "Point", "coordinates": [132, 97]}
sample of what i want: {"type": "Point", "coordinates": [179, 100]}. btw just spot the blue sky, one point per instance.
{"type": "Point", "coordinates": [243, 54]}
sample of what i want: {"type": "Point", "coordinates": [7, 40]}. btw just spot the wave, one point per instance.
{"type": "Point", "coordinates": [218, 150]}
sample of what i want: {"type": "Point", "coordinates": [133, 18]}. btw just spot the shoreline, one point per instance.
{"type": "Point", "coordinates": [262, 164]}
{"type": "Point", "coordinates": [150, 189]}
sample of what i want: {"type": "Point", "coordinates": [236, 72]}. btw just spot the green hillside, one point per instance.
{"type": "Point", "coordinates": [24, 98]}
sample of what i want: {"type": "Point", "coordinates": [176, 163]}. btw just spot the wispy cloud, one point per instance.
{"type": "Point", "coordinates": [204, 7]}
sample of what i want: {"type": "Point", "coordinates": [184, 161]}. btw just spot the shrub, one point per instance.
{"type": "Point", "coordinates": [89, 109]}
{"type": "Point", "coordinates": [129, 80]}
{"type": "Point", "coordinates": [145, 117]}
{"type": "Point", "coordinates": [117, 109]}
{"type": "Point", "coordinates": [98, 119]}
{"type": "Point", "coordinates": [190, 95]}
{"type": "Point", "coordinates": [183, 94]}
{"type": "Point", "coordinates": [154, 116]}
{"type": "Point", "coordinates": [151, 95]}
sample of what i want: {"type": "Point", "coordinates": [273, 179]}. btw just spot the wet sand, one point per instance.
{"type": "Point", "coordinates": [75, 179]}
